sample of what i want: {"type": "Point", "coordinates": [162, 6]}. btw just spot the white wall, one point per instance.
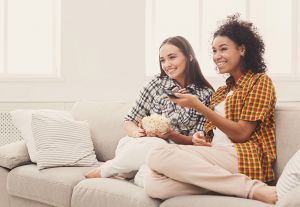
{"type": "Point", "coordinates": [103, 46]}
{"type": "Point", "coordinates": [103, 58]}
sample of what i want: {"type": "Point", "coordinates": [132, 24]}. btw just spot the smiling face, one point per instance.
{"type": "Point", "coordinates": [173, 62]}
{"type": "Point", "coordinates": [227, 56]}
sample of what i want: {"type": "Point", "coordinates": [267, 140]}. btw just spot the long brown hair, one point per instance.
{"type": "Point", "coordinates": [193, 72]}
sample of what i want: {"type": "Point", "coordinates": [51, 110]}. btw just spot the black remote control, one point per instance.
{"type": "Point", "coordinates": [170, 93]}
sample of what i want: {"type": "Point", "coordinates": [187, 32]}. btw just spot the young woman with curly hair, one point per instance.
{"type": "Point", "coordinates": [235, 153]}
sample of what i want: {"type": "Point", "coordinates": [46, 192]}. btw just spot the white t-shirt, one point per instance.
{"type": "Point", "coordinates": [220, 138]}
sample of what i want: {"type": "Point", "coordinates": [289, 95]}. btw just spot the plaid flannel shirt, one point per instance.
{"type": "Point", "coordinates": [153, 100]}
{"type": "Point", "coordinates": [254, 99]}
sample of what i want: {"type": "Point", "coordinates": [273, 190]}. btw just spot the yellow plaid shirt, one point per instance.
{"type": "Point", "coordinates": [252, 100]}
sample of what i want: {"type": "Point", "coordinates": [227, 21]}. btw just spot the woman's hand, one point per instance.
{"type": "Point", "coordinates": [139, 132]}
{"type": "Point", "coordinates": [160, 135]}
{"type": "Point", "coordinates": [187, 100]}
{"type": "Point", "coordinates": [200, 140]}
{"type": "Point", "coordinates": [134, 130]}
{"type": "Point", "coordinates": [182, 90]}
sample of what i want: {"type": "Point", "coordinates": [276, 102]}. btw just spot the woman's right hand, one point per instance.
{"type": "Point", "coordinates": [200, 140]}
{"type": "Point", "coordinates": [139, 132]}
{"type": "Point", "coordinates": [134, 130]}
{"type": "Point", "coordinates": [187, 100]}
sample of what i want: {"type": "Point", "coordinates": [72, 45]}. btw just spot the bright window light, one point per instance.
{"type": "Point", "coordinates": [198, 19]}
{"type": "Point", "coordinates": [273, 18]}
{"type": "Point", "coordinates": [30, 36]}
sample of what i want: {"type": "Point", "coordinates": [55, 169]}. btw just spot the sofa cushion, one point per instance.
{"type": "Point", "coordinates": [287, 137]}
{"type": "Point", "coordinates": [4, 200]}
{"type": "Point", "coordinates": [52, 186]}
{"type": "Point", "coordinates": [23, 202]}
{"type": "Point", "coordinates": [106, 124]}
{"type": "Point", "coordinates": [108, 192]}
{"type": "Point", "coordinates": [14, 154]}
{"type": "Point", "coordinates": [212, 201]}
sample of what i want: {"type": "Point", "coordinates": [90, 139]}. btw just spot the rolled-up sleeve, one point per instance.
{"type": "Point", "coordinates": [258, 101]}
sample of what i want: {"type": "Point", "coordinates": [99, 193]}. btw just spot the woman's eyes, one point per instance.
{"type": "Point", "coordinates": [170, 57]}
{"type": "Point", "coordinates": [221, 49]}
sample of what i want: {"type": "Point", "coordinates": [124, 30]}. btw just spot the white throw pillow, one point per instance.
{"type": "Point", "coordinates": [290, 177]}
{"type": "Point", "coordinates": [22, 120]}
{"type": "Point", "coordinates": [14, 154]}
{"type": "Point", "coordinates": [62, 142]}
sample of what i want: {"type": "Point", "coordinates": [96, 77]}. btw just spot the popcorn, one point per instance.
{"type": "Point", "coordinates": [156, 122]}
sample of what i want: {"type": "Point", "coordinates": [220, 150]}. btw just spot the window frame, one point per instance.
{"type": "Point", "coordinates": [281, 81]}
{"type": "Point", "coordinates": [56, 74]}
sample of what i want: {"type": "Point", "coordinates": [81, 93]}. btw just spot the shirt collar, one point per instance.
{"type": "Point", "coordinates": [172, 84]}
{"type": "Point", "coordinates": [240, 82]}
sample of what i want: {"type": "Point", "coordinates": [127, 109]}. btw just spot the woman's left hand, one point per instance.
{"type": "Point", "coordinates": [186, 100]}
{"type": "Point", "coordinates": [200, 140]}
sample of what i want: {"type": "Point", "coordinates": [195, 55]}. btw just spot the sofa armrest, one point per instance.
{"type": "Point", "coordinates": [13, 155]}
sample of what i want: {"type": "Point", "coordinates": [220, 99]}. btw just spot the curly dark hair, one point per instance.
{"type": "Point", "coordinates": [245, 33]}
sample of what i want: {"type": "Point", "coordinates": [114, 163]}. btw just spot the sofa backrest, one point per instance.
{"type": "Point", "coordinates": [106, 123]}
{"type": "Point", "coordinates": [287, 136]}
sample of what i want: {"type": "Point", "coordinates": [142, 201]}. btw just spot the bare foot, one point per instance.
{"type": "Point", "coordinates": [265, 194]}
{"type": "Point", "coordinates": [95, 173]}
{"type": "Point", "coordinates": [119, 177]}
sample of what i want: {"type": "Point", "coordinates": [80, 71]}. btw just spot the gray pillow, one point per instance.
{"type": "Point", "coordinates": [14, 154]}
{"type": "Point", "coordinates": [62, 142]}
{"type": "Point", "coordinates": [291, 199]}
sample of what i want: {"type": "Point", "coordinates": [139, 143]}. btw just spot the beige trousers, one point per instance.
{"type": "Point", "coordinates": [193, 170]}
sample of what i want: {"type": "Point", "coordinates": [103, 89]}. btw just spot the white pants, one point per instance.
{"type": "Point", "coordinates": [130, 156]}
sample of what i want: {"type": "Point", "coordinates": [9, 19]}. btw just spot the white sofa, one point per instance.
{"type": "Point", "coordinates": [26, 186]}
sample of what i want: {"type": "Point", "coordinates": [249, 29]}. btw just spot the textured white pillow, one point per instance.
{"type": "Point", "coordinates": [290, 177]}
{"type": "Point", "coordinates": [22, 120]}
{"type": "Point", "coordinates": [62, 142]}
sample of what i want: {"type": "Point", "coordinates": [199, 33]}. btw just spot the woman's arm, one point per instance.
{"type": "Point", "coordinates": [237, 131]}
{"type": "Point", "coordinates": [179, 138]}
{"type": "Point", "coordinates": [134, 130]}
